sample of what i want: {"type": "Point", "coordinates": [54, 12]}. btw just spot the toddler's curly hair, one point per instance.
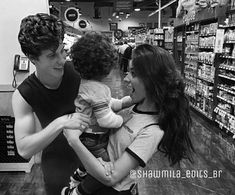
{"type": "Point", "coordinates": [93, 56]}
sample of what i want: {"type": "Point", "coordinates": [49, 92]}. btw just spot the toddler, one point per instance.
{"type": "Point", "coordinates": [94, 57]}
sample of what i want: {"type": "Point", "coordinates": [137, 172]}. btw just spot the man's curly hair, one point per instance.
{"type": "Point", "coordinates": [40, 32]}
{"type": "Point", "coordinates": [93, 56]}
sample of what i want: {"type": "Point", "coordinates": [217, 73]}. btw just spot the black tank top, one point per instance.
{"type": "Point", "coordinates": [49, 104]}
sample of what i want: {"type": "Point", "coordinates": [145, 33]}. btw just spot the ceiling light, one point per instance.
{"type": "Point", "coordinates": [137, 9]}
{"type": "Point", "coordinates": [117, 16]}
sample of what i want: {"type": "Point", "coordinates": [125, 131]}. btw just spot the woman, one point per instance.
{"type": "Point", "coordinates": [159, 120]}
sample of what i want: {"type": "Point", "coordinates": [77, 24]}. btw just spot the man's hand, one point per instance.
{"type": "Point", "coordinates": [76, 121]}
{"type": "Point", "coordinates": [74, 124]}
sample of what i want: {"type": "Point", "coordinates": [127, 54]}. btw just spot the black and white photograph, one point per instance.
{"type": "Point", "coordinates": [117, 97]}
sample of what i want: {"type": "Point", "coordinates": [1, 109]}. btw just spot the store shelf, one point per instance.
{"type": "Point", "coordinates": [227, 90]}
{"type": "Point", "coordinates": [221, 125]}
{"type": "Point", "coordinates": [211, 71]}
{"type": "Point", "coordinates": [204, 62]}
{"type": "Point", "coordinates": [230, 42]}
{"type": "Point", "coordinates": [205, 79]}
{"type": "Point", "coordinates": [207, 35]}
{"type": "Point", "coordinates": [24, 166]}
{"type": "Point", "coordinates": [227, 26]}
{"type": "Point", "coordinates": [225, 100]}
{"type": "Point", "coordinates": [227, 57]}
{"type": "Point", "coordinates": [217, 110]}
{"type": "Point", "coordinates": [225, 67]}
{"type": "Point", "coordinates": [201, 111]}
{"type": "Point", "coordinates": [227, 77]}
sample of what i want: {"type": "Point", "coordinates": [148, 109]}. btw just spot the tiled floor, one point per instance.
{"type": "Point", "coordinates": [212, 172]}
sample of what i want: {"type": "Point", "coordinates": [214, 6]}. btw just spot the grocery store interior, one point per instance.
{"type": "Point", "coordinates": [199, 34]}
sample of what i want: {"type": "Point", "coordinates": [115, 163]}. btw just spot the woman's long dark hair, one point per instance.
{"type": "Point", "coordinates": [164, 85]}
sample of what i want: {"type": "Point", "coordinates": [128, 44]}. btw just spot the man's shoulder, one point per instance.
{"type": "Point", "coordinates": [26, 82]}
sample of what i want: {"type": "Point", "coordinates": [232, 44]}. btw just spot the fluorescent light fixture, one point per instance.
{"type": "Point", "coordinates": [137, 9]}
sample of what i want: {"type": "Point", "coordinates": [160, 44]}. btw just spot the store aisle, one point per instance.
{"type": "Point", "coordinates": [158, 178]}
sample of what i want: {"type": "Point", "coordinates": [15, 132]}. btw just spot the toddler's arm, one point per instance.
{"type": "Point", "coordinates": [105, 116]}
{"type": "Point", "coordinates": [118, 104]}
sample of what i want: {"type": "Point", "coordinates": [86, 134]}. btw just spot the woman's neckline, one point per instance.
{"type": "Point", "coordinates": [136, 110]}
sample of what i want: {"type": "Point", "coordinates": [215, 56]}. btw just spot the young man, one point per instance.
{"type": "Point", "coordinates": [48, 93]}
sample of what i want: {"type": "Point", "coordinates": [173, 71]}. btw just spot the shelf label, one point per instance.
{"type": "Point", "coordinates": [219, 41]}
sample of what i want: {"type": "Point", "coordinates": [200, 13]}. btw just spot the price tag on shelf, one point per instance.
{"type": "Point", "coordinates": [219, 41]}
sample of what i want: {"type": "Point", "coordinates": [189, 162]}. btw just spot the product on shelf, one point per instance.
{"type": "Point", "coordinates": [206, 57]}
{"type": "Point", "coordinates": [209, 29]}
{"type": "Point", "coordinates": [207, 41]}
{"type": "Point", "coordinates": [229, 35]}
